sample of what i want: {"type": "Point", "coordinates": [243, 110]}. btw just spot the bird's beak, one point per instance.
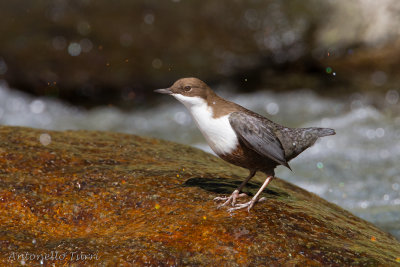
{"type": "Point", "coordinates": [166, 91]}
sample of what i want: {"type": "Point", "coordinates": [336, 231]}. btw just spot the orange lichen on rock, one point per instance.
{"type": "Point", "coordinates": [115, 199]}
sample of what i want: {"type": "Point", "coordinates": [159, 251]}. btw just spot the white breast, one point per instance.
{"type": "Point", "coordinates": [217, 131]}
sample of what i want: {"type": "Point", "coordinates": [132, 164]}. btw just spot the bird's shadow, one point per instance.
{"type": "Point", "coordinates": [227, 186]}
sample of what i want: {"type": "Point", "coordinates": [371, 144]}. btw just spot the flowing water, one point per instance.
{"type": "Point", "coordinates": [358, 168]}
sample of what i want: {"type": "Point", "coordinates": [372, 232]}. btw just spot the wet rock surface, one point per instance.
{"type": "Point", "coordinates": [81, 197]}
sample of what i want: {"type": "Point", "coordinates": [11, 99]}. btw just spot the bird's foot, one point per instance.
{"type": "Point", "coordinates": [247, 205]}
{"type": "Point", "coordinates": [231, 199]}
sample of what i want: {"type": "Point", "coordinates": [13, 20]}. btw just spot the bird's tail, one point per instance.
{"type": "Point", "coordinates": [324, 132]}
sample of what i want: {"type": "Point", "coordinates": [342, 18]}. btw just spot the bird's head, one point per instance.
{"type": "Point", "coordinates": [189, 91]}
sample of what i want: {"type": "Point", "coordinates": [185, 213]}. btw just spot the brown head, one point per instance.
{"type": "Point", "coordinates": [193, 92]}
{"type": "Point", "coordinates": [190, 87]}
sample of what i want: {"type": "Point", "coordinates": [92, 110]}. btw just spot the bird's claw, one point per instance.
{"type": "Point", "coordinates": [247, 205]}
{"type": "Point", "coordinates": [231, 199]}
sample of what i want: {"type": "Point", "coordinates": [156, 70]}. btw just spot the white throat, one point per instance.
{"type": "Point", "coordinates": [218, 131]}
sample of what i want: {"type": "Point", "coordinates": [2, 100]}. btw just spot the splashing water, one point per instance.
{"type": "Point", "coordinates": [356, 169]}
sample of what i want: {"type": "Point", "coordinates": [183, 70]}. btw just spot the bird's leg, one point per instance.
{"type": "Point", "coordinates": [236, 194]}
{"type": "Point", "coordinates": [255, 199]}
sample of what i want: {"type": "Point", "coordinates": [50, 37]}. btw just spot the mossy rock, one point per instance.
{"type": "Point", "coordinates": [101, 198]}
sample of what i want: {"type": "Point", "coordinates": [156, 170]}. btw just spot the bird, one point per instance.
{"type": "Point", "coordinates": [241, 136]}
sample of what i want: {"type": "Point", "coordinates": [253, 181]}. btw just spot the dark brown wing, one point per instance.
{"type": "Point", "coordinates": [257, 135]}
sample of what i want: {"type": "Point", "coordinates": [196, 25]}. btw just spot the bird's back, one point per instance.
{"type": "Point", "coordinates": [296, 140]}
{"type": "Point", "coordinates": [293, 140]}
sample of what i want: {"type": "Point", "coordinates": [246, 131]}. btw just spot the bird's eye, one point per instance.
{"type": "Point", "coordinates": [187, 88]}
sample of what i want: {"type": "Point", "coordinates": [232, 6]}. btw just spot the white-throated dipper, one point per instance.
{"type": "Point", "coordinates": [240, 136]}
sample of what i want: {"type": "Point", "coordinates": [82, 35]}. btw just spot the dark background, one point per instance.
{"type": "Point", "coordinates": [116, 52]}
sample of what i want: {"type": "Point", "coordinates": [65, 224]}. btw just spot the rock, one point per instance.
{"type": "Point", "coordinates": [84, 197]}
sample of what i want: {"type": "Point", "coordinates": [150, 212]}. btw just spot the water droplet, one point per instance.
{"type": "Point", "coordinates": [272, 108]}
{"type": "Point", "coordinates": [149, 18]}
{"type": "Point", "coordinates": [364, 204]}
{"type": "Point", "coordinates": [45, 139]}
{"type": "Point", "coordinates": [74, 49]}
{"type": "Point", "coordinates": [356, 104]}
{"type": "Point", "coordinates": [86, 45]}
{"type": "Point", "coordinates": [328, 70]}
{"type": "Point", "coordinates": [37, 106]}
{"type": "Point", "coordinates": [320, 165]}
{"type": "Point", "coordinates": [250, 14]}
{"type": "Point", "coordinates": [378, 78]}
{"type": "Point", "coordinates": [395, 186]}
{"type": "Point", "coordinates": [182, 118]}
{"type": "Point", "coordinates": [83, 28]}
{"type": "Point", "coordinates": [379, 132]}
{"type": "Point", "coordinates": [157, 63]}
{"type": "Point", "coordinates": [392, 97]}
